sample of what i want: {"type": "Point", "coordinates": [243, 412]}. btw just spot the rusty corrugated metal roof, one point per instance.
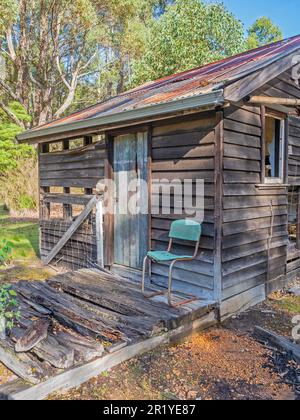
{"type": "Point", "coordinates": [183, 85]}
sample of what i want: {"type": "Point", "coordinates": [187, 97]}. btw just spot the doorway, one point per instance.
{"type": "Point", "coordinates": [131, 202]}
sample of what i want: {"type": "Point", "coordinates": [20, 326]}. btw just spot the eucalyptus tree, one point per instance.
{"type": "Point", "coordinates": [64, 54]}
{"type": "Point", "coordinates": [263, 32]}
{"type": "Point", "coordinates": [49, 46]}
{"type": "Point", "coordinates": [190, 33]}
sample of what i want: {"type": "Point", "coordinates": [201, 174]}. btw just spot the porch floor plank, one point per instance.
{"type": "Point", "coordinates": [101, 312]}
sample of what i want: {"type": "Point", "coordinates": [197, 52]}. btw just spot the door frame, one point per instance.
{"type": "Point", "coordinates": [109, 219]}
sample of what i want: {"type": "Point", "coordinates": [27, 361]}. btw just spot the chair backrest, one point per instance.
{"type": "Point", "coordinates": [186, 230]}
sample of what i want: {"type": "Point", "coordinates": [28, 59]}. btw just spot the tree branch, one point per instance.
{"type": "Point", "coordinates": [89, 61]}
{"type": "Point", "coordinates": [8, 90]}
{"type": "Point", "coordinates": [12, 116]}
{"type": "Point", "coordinates": [10, 45]}
{"type": "Point", "coordinates": [61, 74]}
{"type": "Point", "coordinates": [70, 97]}
{"type": "Point", "coordinates": [34, 81]}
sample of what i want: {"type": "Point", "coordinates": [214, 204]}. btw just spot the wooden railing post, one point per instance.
{"type": "Point", "coordinates": [44, 207]}
{"type": "Point", "coordinates": [99, 231]}
{"type": "Point", "coordinates": [67, 208]}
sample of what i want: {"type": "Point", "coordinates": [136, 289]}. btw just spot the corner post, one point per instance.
{"type": "Point", "coordinates": [99, 231]}
{"type": "Point", "coordinates": [218, 212]}
{"type": "Point", "coordinates": [44, 207]}
{"type": "Point", "coordinates": [263, 144]}
{"type": "Point", "coordinates": [67, 208]}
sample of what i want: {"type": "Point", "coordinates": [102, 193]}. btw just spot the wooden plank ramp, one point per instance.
{"type": "Point", "coordinates": [96, 321]}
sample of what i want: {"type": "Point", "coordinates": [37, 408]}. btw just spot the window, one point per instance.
{"type": "Point", "coordinates": [293, 213]}
{"type": "Point", "coordinates": [274, 149]}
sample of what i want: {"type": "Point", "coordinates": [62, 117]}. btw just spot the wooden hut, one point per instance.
{"type": "Point", "coordinates": [234, 124]}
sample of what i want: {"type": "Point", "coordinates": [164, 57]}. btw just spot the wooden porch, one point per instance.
{"type": "Point", "coordinates": [96, 321]}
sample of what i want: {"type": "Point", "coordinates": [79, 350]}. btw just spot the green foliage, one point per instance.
{"type": "Point", "coordinates": [9, 309]}
{"type": "Point", "coordinates": [263, 32]}
{"type": "Point", "coordinates": [127, 23]}
{"type": "Point", "coordinates": [189, 34]}
{"type": "Point", "coordinates": [8, 13]}
{"type": "Point", "coordinates": [26, 202]}
{"type": "Point", "coordinates": [19, 187]}
{"type": "Point", "coordinates": [10, 151]}
{"type": "Point", "coordinates": [5, 251]}
{"type": "Point", "coordinates": [17, 164]}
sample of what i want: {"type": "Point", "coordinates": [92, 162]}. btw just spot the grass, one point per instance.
{"type": "Point", "coordinates": [290, 304]}
{"type": "Point", "coordinates": [24, 263]}
{"type": "Point", "coordinates": [23, 235]}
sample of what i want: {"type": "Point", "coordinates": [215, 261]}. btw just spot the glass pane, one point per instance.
{"type": "Point", "coordinates": [272, 148]}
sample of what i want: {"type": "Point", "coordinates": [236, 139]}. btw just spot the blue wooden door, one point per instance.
{"type": "Point", "coordinates": [131, 208]}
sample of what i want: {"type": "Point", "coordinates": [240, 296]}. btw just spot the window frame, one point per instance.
{"type": "Point", "coordinates": [282, 149]}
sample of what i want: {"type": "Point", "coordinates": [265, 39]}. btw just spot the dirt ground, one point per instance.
{"type": "Point", "coordinates": [217, 365]}
{"type": "Point", "coordinates": [224, 363]}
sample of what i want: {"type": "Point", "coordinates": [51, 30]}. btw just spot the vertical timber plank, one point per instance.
{"type": "Point", "coordinates": [131, 219]}
{"type": "Point", "coordinates": [286, 152]}
{"type": "Point", "coordinates": [67, 208]}
{"type": "Point", "coordinates": [263, 144]}
{"type": "Point", "coordinates": [218, 219]}
{"type": "Point", "coordinates": [86, 142]}
{"type": "Point", "coordinates": [109, 216]}
{"type": "Point", "coordinates": [99, 232]}
{"type": "Point", "coordinates": [298, 218]}
{"type": "Point", "coordinates": [143, 216]}
{"type": "Point", "coordinates": [44, 207]}
{"type": "Point", "coordinates": [150, 129]}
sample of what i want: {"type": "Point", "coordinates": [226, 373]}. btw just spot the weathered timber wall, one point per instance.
{"type": "Point", "coordinates": [283, 86]}
{"type": "Point", "coordinates": [78, 168]}
{"type": "Point", "coordinates": [186, 150]}
{"type": "Point", "coordinates": [294, 151]}
{"type": "Point", "coordinates": [71, 168]}
{"type": "Point", "coordinates": [247, 209]}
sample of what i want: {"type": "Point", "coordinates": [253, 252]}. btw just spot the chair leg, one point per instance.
{"type": "Point", "coordinates": [170, 283]}
{"type": "Point", "coordinates": [148, 296]}
{"type": "Point", "coordinates": [150, 271]}
{"type": "Point", "coordinates": [144, 275]}
{"type": "Point", "coordinates": [184, 302]}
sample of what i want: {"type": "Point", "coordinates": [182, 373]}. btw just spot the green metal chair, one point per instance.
{"type": "Point", "coordinates": [184, 230]}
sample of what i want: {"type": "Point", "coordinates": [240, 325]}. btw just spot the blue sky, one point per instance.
{"type": "Point", "coordinates": [284, 13]}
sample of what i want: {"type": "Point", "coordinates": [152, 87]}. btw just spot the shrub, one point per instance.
{"type": "Point", "coordinates": [19, 187]}
{"type": "Point", "coordinates": [9, 309]}
{"type": "Point", "coordinates": [5, 251]}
